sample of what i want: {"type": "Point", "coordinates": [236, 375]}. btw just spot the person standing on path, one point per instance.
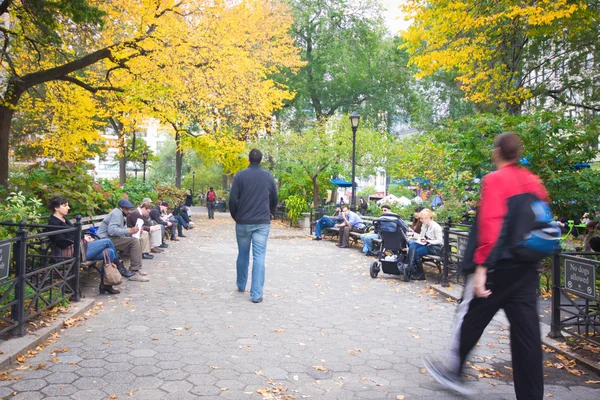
{"type": "Point", "coordinates": [211, 200]}
{"type": "Point", "coordinates": [252, 201]}
{"type": "Point", "coordinates": [497, 279]}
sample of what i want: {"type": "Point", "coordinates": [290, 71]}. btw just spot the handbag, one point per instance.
{"type": "Point", "coordinates": [112, 276]}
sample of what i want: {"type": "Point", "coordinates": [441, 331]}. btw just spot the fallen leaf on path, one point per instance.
{"type": "Point", "coordinates": [593, 382]}
{"type": "Point", "coordinates": [320, 368]}
{"type": "Point", "coordinates": [400, 397]}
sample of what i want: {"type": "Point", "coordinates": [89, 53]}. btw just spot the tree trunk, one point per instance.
{"type": "Point", "coordinates": [6, 114]}
{"type": "Point", "coordinates": [123, 159]}
{"type": "Point", "coordinates": [316, 198]}
{"type": "Point", "coordinates": [178, 160]}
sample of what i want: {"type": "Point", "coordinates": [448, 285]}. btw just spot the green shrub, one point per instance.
{"type": "Point", "coordinates": [295, 206]}
{"type": "Point", "coordinates": [18, 207]}
{"type": "Point", "coordinates": [137, 190]}
{"type": "Point", "coordinates": [66, 179]}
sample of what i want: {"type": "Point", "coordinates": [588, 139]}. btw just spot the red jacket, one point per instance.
{"type": "Point", "coordinates": [496, 189]}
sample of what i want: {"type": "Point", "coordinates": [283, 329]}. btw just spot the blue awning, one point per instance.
{"type": "Point", "coordinates": [581, 166]}
{"type": "Point", "coordinates": [401, 182]}
{"type": "Point", "coordinates": [340, 183]}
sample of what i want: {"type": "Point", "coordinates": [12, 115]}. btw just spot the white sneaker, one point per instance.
{"type": "Point", "coordinates": [446, 378]}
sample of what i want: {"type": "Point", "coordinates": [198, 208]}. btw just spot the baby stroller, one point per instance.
{"type": "Point", "coordinates": [393, 254]}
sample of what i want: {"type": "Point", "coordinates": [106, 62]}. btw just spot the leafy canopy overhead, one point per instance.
{"type": "Point", "coordinates": [505, 52]}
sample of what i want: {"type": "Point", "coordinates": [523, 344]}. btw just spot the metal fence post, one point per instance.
{"type": "Point", "coordinates": [77, 254]}
{"type": "Point", "coordinates": [18, 310]}
{"type": "Point", "coordinates": [446, 255]}
{"type": "Point", "coordinates": [555, 332]}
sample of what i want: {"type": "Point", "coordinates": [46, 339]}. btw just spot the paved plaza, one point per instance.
{"type": "Point", "coordinates": [325, 330]}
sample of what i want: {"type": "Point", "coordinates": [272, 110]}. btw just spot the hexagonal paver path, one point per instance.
{"type": "Point", "coordinates": [325, 330]}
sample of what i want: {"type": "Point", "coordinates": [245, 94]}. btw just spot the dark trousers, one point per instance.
{"type": "Point", "coordinates": [344, 235]}
{"type": "Point", "coordinates": [513, 290]}
{"type": "Point", "coordinates": [211, 209]}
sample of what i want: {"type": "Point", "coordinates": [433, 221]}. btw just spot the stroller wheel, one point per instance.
{"type": "Point", "coordinates": [374, 269]}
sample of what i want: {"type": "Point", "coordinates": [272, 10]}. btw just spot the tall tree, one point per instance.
{"type": "Point", "coordinates": [350, 61]}
{"type": "Point", "coordinates": [183, 61]}
{"type": "Point", "coordinates": [63, 40]}
{"type": "Point", "coordinates": [326, 150]}
{"type": "Point", "coordinates": [507, 52]}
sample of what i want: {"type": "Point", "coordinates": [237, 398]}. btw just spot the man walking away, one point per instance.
{"type": "Point", "coordinates": [498, 278]}
{"type": "Point", "coordinates": [211, 200]}
{"type": "Point", "coordinates": [253, 199]}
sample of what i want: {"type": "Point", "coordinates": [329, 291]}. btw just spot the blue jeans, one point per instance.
{"type": "Point", "coordinates": [255, 235]}
{"type": "Point", "coordinates": [180, 223]}
{"type": "Point", "coordinates": [95, 250]}
{"type": "Point", "coordinates": [420, 251]}
{"type": "Point", "coordinates": [367, 239]}
{"type": "Point", "coordinates": [324, 222]}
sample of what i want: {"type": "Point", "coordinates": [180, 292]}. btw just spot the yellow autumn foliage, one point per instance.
{"type": "Point", "coordinates": [189, 63]}
{"type": "Point", "coordinates": [484, 42]}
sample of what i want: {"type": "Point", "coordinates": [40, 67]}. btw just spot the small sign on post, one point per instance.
{"type": "Point", "coordinates": [580, 277]}
{"type": "Point", "coordinates": [4, 260]}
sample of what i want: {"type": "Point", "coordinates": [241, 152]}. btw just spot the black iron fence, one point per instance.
{"type": "Point", "coordinates": [32, 279]}
{"type": "Point", "coordinates": [455, 244]}
{"type": "Point", "coordinates": [575, 301]}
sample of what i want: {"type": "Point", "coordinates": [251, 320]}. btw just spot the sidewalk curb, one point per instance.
{"type": "Point", "coordinates": [545, 328]}
{"type": "Point", "coordinates": [20, 345]}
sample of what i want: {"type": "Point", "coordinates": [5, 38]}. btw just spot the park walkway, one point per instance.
{"type": "Point", "coordinates": [325, 330]}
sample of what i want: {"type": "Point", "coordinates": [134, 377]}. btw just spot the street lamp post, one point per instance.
{"type": "Point", "coordinates": [144, 161]}
{"type": "Point", "coordinates": [354, 120]}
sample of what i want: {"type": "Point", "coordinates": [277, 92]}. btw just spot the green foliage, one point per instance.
{"type": "Point", "coordinates": [17, 207]}
{"type": "Point", "coordinates": [366, 191]}
{"type": "Point", "coordinates": [295, 206]}
{"type": "Point", "coordinates": [399, 191]}
{"type": "Point", "coordinates": [326, 151]}
{"type": "Point", "coordinates": [553, 144]}
{"type": "Point", "coordinates": [137, 189]}
{"type": "Point", "coordinates": [66, 179]}
{"type": "Point", "coordinates": [351, 61]}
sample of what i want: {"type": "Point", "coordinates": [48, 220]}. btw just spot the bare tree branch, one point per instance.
{"type": "Point", "coordinates": [569, 103]}
{"type": "Point", "coordinates": [89, 87]}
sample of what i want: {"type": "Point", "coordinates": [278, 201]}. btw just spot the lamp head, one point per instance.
{"type": "Point", "coordinates": [354, 120]}
{"type": "Point", "coordinates": [145, 155]}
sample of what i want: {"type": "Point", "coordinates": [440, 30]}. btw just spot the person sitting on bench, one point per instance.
{"type": "Point", "coordinates": [429, 241]}
{"type": "Point", "coordinates": [94, 249]}
{"type": "Point", "coordinates": [351, 223]}
{"type": "Point", "coordinates": [326, 222]}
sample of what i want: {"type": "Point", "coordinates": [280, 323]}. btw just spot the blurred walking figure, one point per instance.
{"type": "Point", "coordinates": [498, 277]}
{"type": "Point", "coordinates": [253, 199]}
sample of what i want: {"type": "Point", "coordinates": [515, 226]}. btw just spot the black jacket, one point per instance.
{"type": "Point", "coordinates": [61, 240]}
{"type": "Point", "coordinates": [155, 216]}
{"type": "Point", "coordinates": [253, 196]}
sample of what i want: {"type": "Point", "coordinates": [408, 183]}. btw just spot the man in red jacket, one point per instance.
{"type": "Point", "coordinates": [499, 280]}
